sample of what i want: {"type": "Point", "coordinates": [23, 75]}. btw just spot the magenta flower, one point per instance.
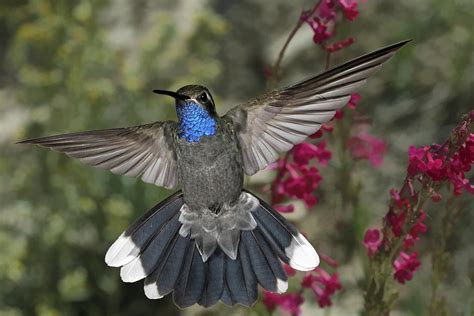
{"type": "Point", "coordinates": [400, 202]}
{"type": "Point", "coordinates": [415, 160]}
{"type": "Point", "coordinates": [355, 98]}
{"type": "Point", "coordinates": [320, 30]}
{"type": "Point", "coordinates": [322, 284]}
{"type": "Point", "coordinates": [350, 9]}
{"type": "Point", "coordinates": [366, 146]}
{"type": "Point", "coordinates": [372, 240]}
{"type": "Point", "coordinates": [289, 270]}
{"type": "Point", "coordinates": [436, 197]}
{"type": "Point", "coordinates": [330, 261]}
{"type": "Point", "coordinates": [289, 302]}
{"type": "Point", "coordinates": [304, 152]}
{"type": "Point", "coordinates": [339, 45]}
{"type": "Point", "coordinates": [288, 208]}
{"type": "Point", "coordinates": [431, 161]}
{"type": "Point", "coordinates": [339, 115]}
{"type": "Point", "coordinates": [405, 265]}
{"type": "Point", "coordinates": [301, 183]}
{"type": "Point", "coordinates": [413, 235]}
{"type": "Point", "coordinates": [395, 221]}
{"type": "Point", "coordinates": [326, 10]}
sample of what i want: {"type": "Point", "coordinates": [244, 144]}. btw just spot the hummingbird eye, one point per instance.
{"type": "Point", "coordinates": [203, 97]}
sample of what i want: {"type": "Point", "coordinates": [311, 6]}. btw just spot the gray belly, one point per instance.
{"type": "Point", "coordinates": [210, 171]}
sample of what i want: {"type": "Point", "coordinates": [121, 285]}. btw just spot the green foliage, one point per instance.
{"type": "Point", "coordinates": [69, 75]}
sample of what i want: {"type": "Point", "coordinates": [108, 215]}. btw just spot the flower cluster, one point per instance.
{"type": "Point", "coordinates": [322, 19]}
{"type": "Point", "coordinates": [372, 240]}
{"type": "Point", "coordinates": [298, 175]}
{"type": "Point", "coordinates": [289, 302]}
{"type": "Point", "coordinates": [436, 163]}
{"type": "Point", "coordinates": [428, 168]}
{"type": "Point", "coordinates": [322, 283]}
{"type": "Point", "coordinates": [295, 181]}
{"type": "Point", "coordinates": [369, 147]}
{"type": "Point", "coordinates": [405, 265]}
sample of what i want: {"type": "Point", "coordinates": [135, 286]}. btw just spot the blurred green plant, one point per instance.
{"type": "Point", "coordinates": [70, 75]}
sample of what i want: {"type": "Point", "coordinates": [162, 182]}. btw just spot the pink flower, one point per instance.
{"type": "Point", "coordinates": [289, 302]}
{"type": "Point", "coordinates": [395, 221]}
{"type": "Point", "coordinates": [318, 134]}
{"type": "Point", "coordinates": [339, 45]}
{"type": "Point", "coordinates": [320, 30]}
{"type": "Point", "coordinates": [304, 152]}
{"type": "Point", "coordinates": [418, 228]}
{"type": "Point", "coordinates": [326, 10]}
{"type": "Point", "coordinates": [355, 98]}
{"type": "Point", "coordinates": [339, 115]}
{"type": "Point", "coordinates": [349, 7]}
{"type": "Point", "coordinates": [301, 183]}
{"type": "Point", "coordinates": [415, 160]}
{"type": "Point", "coordinates": [330, 261]}
{"type": "Point", "coordinates": [289, 208]}
{"type": "Point", "coordinates": [436, 197]}
{"type": "Point", "coordinates": [405, 265]}
{"type": "Point", "coordinates": [372, 240]}
{"type": "Point", "coordinates": [366, 146]}
{"type": "Point", "coordinates": [289, 270]}
{"type": "Point", "coordinates": [401, 203]}
{"type": "Point", "coordinates": [432, 161]}
{"type": "Point", "coordinates": [323, 285]}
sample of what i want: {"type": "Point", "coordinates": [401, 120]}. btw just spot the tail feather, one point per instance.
{"type": "Point", "coordinates": [157, 247]}
{"type": "Point", "coordinates": [262, 265]}
{"type": "Point", "coordinates": [227, 298]}
{"type": "Point", "coordinates": [128, 246]}
{"type": "Point", "coordinates": [151, 253]}
{"type": "Point", "coordinates": [292, 247]}
{"type": "Point", "coordinates": [215, 277]}
{"type": "Point", "coordinates": [236, 282]}
{"type": "Point", "coordinates": [273, 262]}
{"type": "Point", "coordinates": [188, 288]}
{"type": "Point", "coordinates": [249, 276]}
{"type": "Point", "coordinates": [162, 281]}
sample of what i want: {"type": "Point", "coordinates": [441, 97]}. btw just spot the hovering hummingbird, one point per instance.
{"type": "Point", "coordinates": [213, 240]}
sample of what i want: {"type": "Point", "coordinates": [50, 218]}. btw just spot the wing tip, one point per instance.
{"type": "Point", "coordinates": [26, 141]}
{"type": "Point", "coordinates": [390, 48]}
{"type": "Point", "coordinates": [400, 44]}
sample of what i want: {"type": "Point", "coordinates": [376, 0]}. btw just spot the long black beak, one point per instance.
{"type": "Point", "coordinates": [172, 94]}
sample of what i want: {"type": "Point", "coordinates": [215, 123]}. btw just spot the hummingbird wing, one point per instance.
{"type": "Point", "coordinates": [144, 151]}
{"type": "Point", "coordinates": [280, 119]}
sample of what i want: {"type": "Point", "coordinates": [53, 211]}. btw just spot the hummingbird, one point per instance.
{"type": "Point", "coordinates": [214, 240]}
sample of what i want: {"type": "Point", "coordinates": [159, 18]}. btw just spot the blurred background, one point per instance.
{"type": "Point", "coordinates": [77, 65]}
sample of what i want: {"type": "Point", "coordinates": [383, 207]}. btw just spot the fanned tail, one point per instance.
{"type": "Point", "coordinates": [173, 259]}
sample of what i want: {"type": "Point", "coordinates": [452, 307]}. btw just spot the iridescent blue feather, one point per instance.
{"type": "Point", "coordinates": [194, 122]}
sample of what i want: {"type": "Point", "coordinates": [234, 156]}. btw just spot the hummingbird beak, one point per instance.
{"type": "Point", "coordinates": [172, 94]}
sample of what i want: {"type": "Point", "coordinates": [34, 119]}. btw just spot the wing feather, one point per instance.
{"type": "Point", "coordinates": [143, 151]}
{"type": "Point", "coordinates": [280, 119]}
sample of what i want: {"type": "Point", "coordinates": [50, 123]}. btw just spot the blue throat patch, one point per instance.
{"type": "Point", "coordinates": [194, 122]}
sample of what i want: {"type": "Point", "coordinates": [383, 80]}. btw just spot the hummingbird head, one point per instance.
{"type": "Point", "coordinates": [192, 95]}
{"type": "Point", "coordinates": [197, 116]}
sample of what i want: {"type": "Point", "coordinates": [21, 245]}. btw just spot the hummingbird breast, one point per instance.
{"type": "Point", "coordinates": [210, 171]}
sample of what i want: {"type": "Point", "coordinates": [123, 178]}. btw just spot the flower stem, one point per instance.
{"type": "Point", "coordinates": [276, 69]}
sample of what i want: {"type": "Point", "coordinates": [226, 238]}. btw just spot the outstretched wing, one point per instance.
{"type": "Point", "coordinates": [142, 151]}
{"type": "Point", "coordinates": [280, 119]}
